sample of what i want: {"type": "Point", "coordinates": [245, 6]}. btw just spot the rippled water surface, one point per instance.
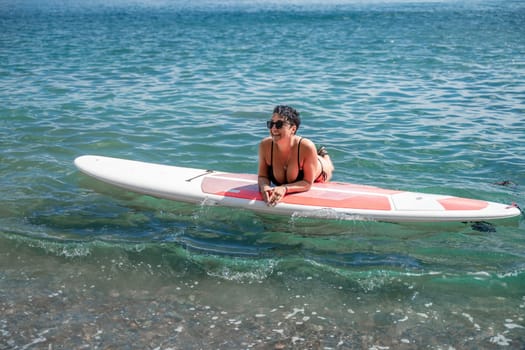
{"type": "Point", "coordinates": [423, 96]}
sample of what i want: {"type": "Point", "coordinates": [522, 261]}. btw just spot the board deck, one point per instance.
{"type": "Point", "coordinates": [328, 200]}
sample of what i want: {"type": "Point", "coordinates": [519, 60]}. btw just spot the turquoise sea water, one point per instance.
{"type": "Point", "coordinates": [424, 96]}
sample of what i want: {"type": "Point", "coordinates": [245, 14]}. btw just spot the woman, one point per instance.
{"type": "Point", "coordinates": [288, 161]}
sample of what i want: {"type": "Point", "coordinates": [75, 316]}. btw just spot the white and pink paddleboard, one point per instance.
{"type": "Point", "coordinates": [330, 200]}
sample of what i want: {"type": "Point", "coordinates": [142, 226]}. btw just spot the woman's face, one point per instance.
{"type": "Point", "coordinates": [280, 128]}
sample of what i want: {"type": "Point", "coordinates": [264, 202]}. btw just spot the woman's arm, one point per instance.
{"type": "Point", "coordinates": [309, 164]}
{"type": "Point", "coordinates": [264, 178]}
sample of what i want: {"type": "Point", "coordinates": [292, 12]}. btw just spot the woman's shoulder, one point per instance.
{"type": "Point", "coordinates": [266, 141]}
{"type": "Point", "coordinates": [305, 142]}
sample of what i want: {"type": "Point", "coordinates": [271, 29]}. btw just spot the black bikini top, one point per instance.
{"type": "Point", "coordinates": [300, 175]}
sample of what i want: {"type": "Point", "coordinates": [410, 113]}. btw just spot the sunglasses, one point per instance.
{"type": "Point", "coordinates": [278, 124]}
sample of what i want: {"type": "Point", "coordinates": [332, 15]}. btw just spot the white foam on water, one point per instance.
{"type": "Point", "coordinates": [513, 325]}
{"type": "Point", "coordinates": [501, 340]}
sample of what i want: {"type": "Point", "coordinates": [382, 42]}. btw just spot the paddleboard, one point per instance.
{"type": "Point", "coordinates": [323, 200]}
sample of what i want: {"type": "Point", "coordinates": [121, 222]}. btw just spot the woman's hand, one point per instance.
{"type": "Point", "coordinates": [274, 195]}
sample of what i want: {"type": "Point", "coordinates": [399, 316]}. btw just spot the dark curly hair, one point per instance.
{"type": "Point", "coordinates": [289, 114]}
